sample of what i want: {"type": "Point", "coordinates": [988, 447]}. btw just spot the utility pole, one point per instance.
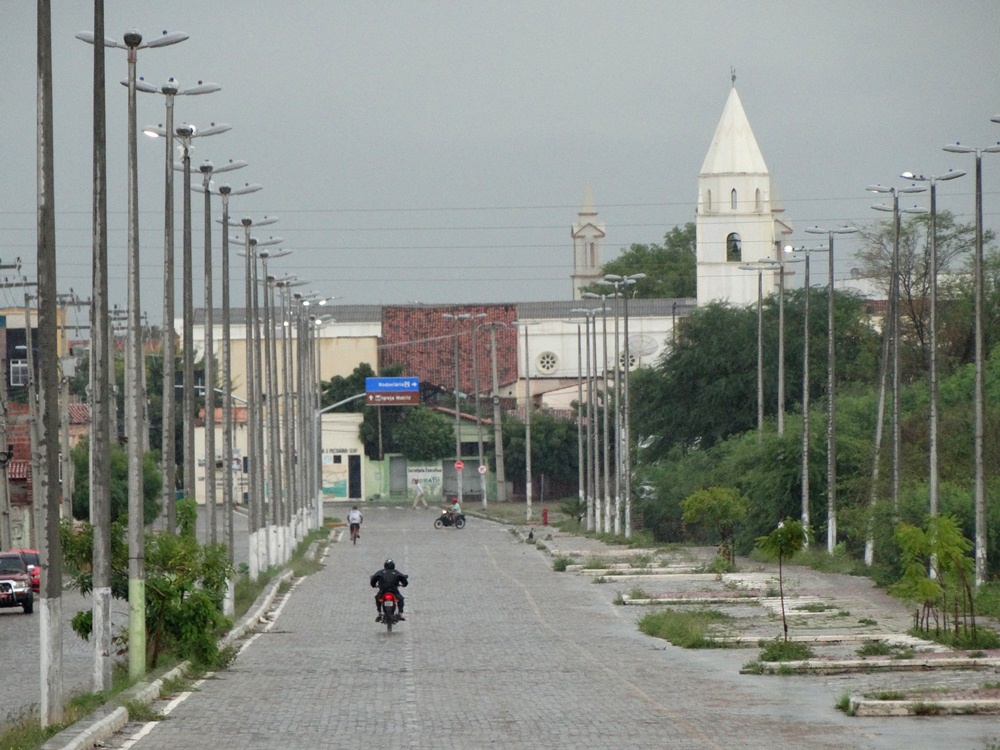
{"type": "Point", "coordinates": [497, 426]}
{"type": "Point", "coordinates": [50, 549]}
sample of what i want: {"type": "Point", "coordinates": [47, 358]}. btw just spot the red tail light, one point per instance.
{"type": "Point", "coordinates": [388, 598]}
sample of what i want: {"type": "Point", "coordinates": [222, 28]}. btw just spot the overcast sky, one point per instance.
{"type": "Point", "coordinates": [438, 151]}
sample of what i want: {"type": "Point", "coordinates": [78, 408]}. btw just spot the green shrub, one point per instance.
{"type": "Point", "coordinates": [560, 564]}
{"type": "Point", "coordinates": [684, 629]}
{"type": "Point", "coordinates": [875, 648]}
{"type": "Point", "coordinates": [781, 650]}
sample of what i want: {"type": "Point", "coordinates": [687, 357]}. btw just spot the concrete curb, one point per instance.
{"type": "Point", "coordinates": [865, 707]}
{"type": "Point", "coordinates": [104, 722]}
{"type": "Point", "coordinates": [882, 665]}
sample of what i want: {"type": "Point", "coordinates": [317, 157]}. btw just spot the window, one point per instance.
{"type": "Point", "coordinates": [547, 362]}
{"type": "Point", "coordinates": [732, 199]}
{"type": "Point", "coordinates": [593, 255]}
{"type": "Point", "coordinates": [708, 201]}
{"type": "Point", "coordinates": [18, 373]}
{"type": "Point", "coordinates": [756, 200]}
{"type": "Point", "coordinates": [734, 248]}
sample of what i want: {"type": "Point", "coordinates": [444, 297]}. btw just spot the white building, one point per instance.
{"type": "Point", "coordinates": [738, 216]}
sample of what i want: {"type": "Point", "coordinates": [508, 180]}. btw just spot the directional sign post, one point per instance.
{"type": "Point", "coordinates": [392, 391]}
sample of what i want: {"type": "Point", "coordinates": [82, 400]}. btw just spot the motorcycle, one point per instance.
{"type": "Point", "coordinates": [390, 613]}
{"type": "Point", "coordinates": [445, 520]}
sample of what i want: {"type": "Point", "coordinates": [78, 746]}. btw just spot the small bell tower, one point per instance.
{"type": "Point", "coordinates": [588, 245]}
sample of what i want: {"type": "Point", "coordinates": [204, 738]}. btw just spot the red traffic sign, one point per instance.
{"type": "Point", "coordinates": [459, 466]}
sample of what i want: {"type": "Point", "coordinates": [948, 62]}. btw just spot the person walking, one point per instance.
{"type": "Point", "coordinates": [419, 490]}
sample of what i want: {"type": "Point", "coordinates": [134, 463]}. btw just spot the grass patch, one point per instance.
{"type": "Point", "coordinates": [560, 564]}
{"type": "Point", "coordinates": [867, 621]}
{"type": "Point", "coordinates": [926, 709]}
{"type": "Point", "coordinates": [844, 704]}
{"type": "Point", "coordinates": [982, 640]}
{"type": "Point", "coordinates": [684, 629]}
{"type": "Point", "coordinates": [595, 563]}
{"type": "Point", "coordinates": [600, 579]}
{"type": "Point", "coordinates": [639, 593]}
{"type": "Point", "coordinates": [781, 650]}
{"type": "Point", "coordinates": [139, 711]}
{"type": "Point", "coordinates": [812, 607]}
{"type": "Point", "coordinates": [988, 599]}
{"type": "Point", "coordinates": [885, 695]}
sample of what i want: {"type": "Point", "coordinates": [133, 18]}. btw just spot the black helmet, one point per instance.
{"type": "Point", "coordinates": [389, 564]}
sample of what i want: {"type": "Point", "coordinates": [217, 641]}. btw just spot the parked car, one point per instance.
{"type": "Point", "coordinates": [32, 560]}
{"type": "Point", "coordinates": [15, 582]}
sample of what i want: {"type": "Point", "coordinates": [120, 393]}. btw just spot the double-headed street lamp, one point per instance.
{"type": "Point", "coordinates": [831, 384]}
{"type": "Point", "coordinates": [593, 498]}
{"type": "Point", "coordinates": [168, 443]}
{"type": "Point", "coordinates": [132, 43]}
{"type": "Point", "coordinates": [607, 404]}
{"type": "Point", "coordinates": [456, 317]}
{"type": "Point", "coordinates": [527, 419]}
{"type": "Point", "coordinates": [895, 318]}
{"type": "Point", "coordinates": [935, 491]}
{"type": "Point", "coordinates": [980, 355]}
{"type": "Point", "coordinates": [479, 419]}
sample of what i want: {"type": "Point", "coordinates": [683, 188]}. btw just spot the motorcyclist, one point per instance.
{"type": "Point", "coordinates": [454, 510]}
{"type": "Point", "coordinates": [388, 579]}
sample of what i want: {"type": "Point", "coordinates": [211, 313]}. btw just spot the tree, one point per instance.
{"type": "Point", "coordinates": [425, 434]}
{"type": "Point", "coordinates": [721, 508]}
{"type": "Point", "coordinates": [670, 268]}
{"type": "Point", "coordinates": [554, 449]}
{"type": "Point", "coordinates": [782, 543]}
{"type": "Point", "coordinates": [378, 429]}
{"type": "Point", "coordinates": [152, 482]}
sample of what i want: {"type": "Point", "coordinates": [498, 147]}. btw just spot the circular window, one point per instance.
{"type": "Point", "coordinates": [632, 360]}
{"type": "Point", "coordinates": [547, 362]}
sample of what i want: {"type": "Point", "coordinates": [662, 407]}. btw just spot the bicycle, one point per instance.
{"type": "Point", "coordinates": [355, 532]}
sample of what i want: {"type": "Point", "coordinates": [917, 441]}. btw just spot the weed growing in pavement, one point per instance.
{"type": "Point", "coordinates": [595, 564]}
{"type": "Point", "coordinates": [175, 685]}
{"type": "Point", "coordinates": [600, 579]}
{"type": "Point", "coordinates": [811, 607]}
{"type": "Point", "coordinates": [843, 613]}
{"type": "Point", "coordinates": [927, 709]}
{"type": "Point", "coordinates": [875, 648]}
{"type": "Point", "coordinates": [981, 639]}
{"type": "Point", "coordinates": [560, 564]}
{"type": "Point", "coordinates": [867, 621]}
{"type": "Point", "coordinates": [885, 695]}
{"type": "Point", "coordinates": [684, 629]}
{"type": "Point", "coordinates": [720, 565]}
{"type": "Point", "coordinates": [977, 654]}
{"type": "Point", "coordinates": [991, 685]}
{"type": "Point", "coordinates": [771, 592]}
{"type": "Point", "coordinates": [781, 650]}
{"type": "Point", "coordinates": [844, 704]}
{"type": "Point", "coordinates": [140, 711]}
{"type": "Point", "coordinates": [639, 593]}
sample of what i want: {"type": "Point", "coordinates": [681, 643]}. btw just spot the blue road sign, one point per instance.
{"type": "Point", "coordinates": [391, 385]}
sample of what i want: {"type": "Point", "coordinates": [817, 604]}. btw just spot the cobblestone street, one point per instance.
{"type": "Point", "coordinates": [500, 651]}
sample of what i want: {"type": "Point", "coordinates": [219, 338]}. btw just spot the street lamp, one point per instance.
{"type": "Point", "coordinates": [225, 192]}
{"type": "Point", "coordinates": [895, 318]}
{"type": "Point", "coordinates": [168, 449]}
{"type": "Point", "coordinates": [807, 252]}
{"type": "Point", "coordinates": [759, 267]}
{"type": "Point", "coordinates": [624, 282]}
{"type": "Point", "coordinates": [607, 404]}
{"type": "Point", "coordinates": [207, 169]}
{"type": "Point", "coordinates": [831, 385]}
{"type": "Point", "coordinates": [458, 417]}
{"type": "Point", "coordinates": [132, 43]}
{"type": "Point", "coordinates": [255, 448]}
{"type": "Point", "coordinates": [185, 133]}
{"type": "Point", "coordinates": [934, 487]}
{"type": "Point", "coordinates": [479, 420]}
{"type": "Point", "coordinates": [527, 420]}
{"type": "Point", "coordinates": [593, 499]}
{"type": "Point", "coordinates": [980, 491]}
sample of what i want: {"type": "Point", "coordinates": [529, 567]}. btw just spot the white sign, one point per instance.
{"type": "Point", "coordinates": [482, 469]}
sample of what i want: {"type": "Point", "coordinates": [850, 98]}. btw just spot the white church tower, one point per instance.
{"type": "Point", "coordinates": [588, 245]}
{"type": "Point", "coordinates": [737, 220]}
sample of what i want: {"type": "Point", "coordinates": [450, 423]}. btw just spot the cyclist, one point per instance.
{"type": "Point", "coordinates": [354, 518]}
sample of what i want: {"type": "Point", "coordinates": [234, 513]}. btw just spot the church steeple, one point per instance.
{"type": "Point", "coordinates": [588, 245]}
{"type": "Point", "coordinates": [737, 206]}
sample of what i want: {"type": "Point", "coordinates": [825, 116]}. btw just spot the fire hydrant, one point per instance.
{"type": "Point", "coordinates": [545, 516]}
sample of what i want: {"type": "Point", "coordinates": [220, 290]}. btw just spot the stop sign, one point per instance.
{"type": "Point", "coordinates": [459, 466]}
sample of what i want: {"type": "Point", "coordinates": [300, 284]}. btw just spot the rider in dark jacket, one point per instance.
{"type": "Point", "coordinates": [388, 579]}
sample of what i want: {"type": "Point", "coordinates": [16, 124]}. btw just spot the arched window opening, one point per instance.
{"type": "Point", "coordinates": [732, 199]}
{"type": "Point", "coordinates": [708, 201]}
{"type": "Point", "coordinates": [593, 255]}
{"type": "Point", "coordinates": [734, 248]}
{"type": "Point", "coordinates": [756, 201]}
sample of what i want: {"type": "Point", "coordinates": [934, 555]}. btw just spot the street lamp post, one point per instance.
{"type": "Point", "coordinates": [895, 321]}
{"type": "Point", "coordinates": [497, 423]}
{"type": "Point", "coordinates": [593, 516]}
{"type": "Point", "coordinates": [933, 474]}
{"type": "Point", "coordinates": [759, 267]}
{"type": "Point", "coordinates": [132, 42]}
{"type": "Point", "coordinates": [207, 169]}
{"type": "Point", "coordinates": [980, 355]}
{"type": "Point", "coordinates": [168, 443]}
{"type": "Point", "coordinates": [479, 420]}
{"type": "Point", "coordinates": [831, 383]}
{"type": "Point", "coordinates": [458, 417]}
{"type": "Point", "coordinates": [607, 404]}
{"type": "Point", "coordinates": [527, 421]}
{"type": "Point", "coordinates": [625, 282]}
{"type": "Point", "coordinates": [807, 287]}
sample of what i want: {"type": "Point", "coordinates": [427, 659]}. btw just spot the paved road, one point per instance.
{"type": "Point", "coordinates": [499, 651]}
